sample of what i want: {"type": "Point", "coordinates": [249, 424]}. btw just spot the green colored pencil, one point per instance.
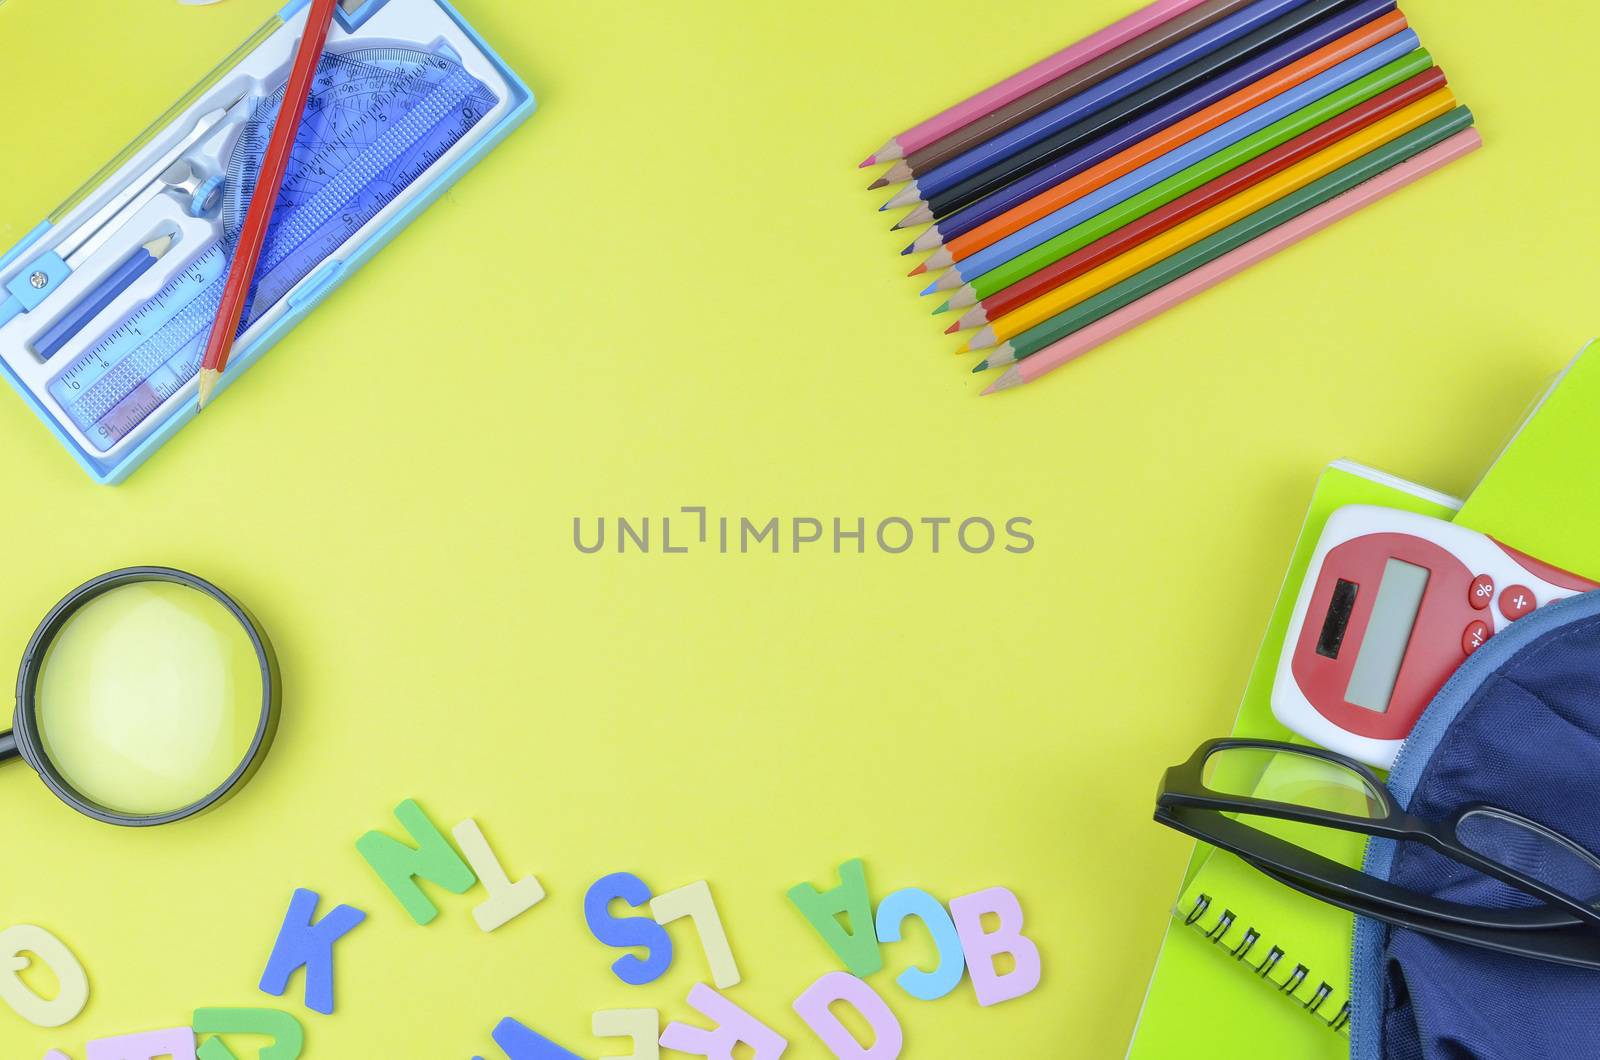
{"type": "Point", "coordinates": [1185, 181]}
{"type": "Point", "coordinates": [1231, 238]}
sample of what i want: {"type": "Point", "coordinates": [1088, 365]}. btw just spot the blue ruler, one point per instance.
{"type": "Point", "coordinates": [377, 119]}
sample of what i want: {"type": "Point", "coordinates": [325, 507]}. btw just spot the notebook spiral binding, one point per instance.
{"type": "Point", "coordinates": [1269, 963]}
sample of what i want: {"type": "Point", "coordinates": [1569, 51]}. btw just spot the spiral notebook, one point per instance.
{"type": "Point", "coordinates": [1294, 945]}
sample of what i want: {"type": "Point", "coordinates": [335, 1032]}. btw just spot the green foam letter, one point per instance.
{"type": "Point", "coordinates": [433, 859]}
{"type": "Point", "coordinates": [857, 945]}
{"type": "Point", "coordinates": [288, 1038]}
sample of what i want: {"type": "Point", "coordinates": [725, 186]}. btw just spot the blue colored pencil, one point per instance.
{"type": "Point", "coordinates": [104, 293]}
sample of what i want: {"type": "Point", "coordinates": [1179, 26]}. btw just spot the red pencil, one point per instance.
{"type": "Point", "coordinates": [1201, 199]}
{"type": "Point", "coordinates": [274, 165]}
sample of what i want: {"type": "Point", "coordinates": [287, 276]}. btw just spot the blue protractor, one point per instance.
{"type": "Point", "coordinates": [377, 119]}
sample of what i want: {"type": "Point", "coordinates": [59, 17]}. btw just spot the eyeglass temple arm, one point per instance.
{"type": "Point", "coordinates": [8, 745]}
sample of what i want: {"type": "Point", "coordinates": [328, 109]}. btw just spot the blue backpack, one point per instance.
{"type": "Point", "coordinates": [1518, 727]}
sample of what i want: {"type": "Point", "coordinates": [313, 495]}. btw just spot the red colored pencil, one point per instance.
{"type": "Point", "coordinates": [274, 165]}
{"type": "Point", "coordinates": [1201, 199]}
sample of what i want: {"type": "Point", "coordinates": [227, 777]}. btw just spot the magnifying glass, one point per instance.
{"type": "Point", "coordinates": [146, 695]}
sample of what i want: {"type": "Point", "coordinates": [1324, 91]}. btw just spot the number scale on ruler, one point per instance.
{"type": "Point", "coordinates": [377, 120]}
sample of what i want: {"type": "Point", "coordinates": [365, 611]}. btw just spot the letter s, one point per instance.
{"type": "Point", "coordinates": [1026, 538]}
{"type": "Point", "coordinates": [624, 932]}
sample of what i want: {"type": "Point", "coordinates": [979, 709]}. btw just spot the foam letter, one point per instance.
{"type": "Point", "coordinates": [981, 948]}
{"type": "Point", "coordinates": [733, 1026]}
{"type": "Point", "coordinates": [73, 984]}
{"type": "Point", "coordinates": [643, 1025]}
{"type": "Point", "coordinates": [303, 944]}
{"type": "Point", "coordinates": [520, 1043]}
{"type": "Point", "coordinates": [178, 1043]}
{"type": "Point", "coordinates": [857, 947]}
{"type": "Point", "coordinates": [812, 1006]}
{"type": "Point", "coordinates": [288, 1038]}
{"type": "Point", "coordinates": [506, 900]}
{"type": "Point", "coordinates": [433, 859]}
{"type": "Point", "coordinates": [912, 902]}
{"type": "Point", "coordinates": [695, 902]}
{"type": "Point", "coordinates": [623, 932]}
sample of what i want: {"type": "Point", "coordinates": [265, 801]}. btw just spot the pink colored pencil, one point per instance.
{"type": "Point", "coordinates": [1038, 75]}
{"type": "Point", "coordinates": [1131, 316]}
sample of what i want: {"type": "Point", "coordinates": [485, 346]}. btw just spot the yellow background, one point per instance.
{"type": "Point", "coordinates": [668, 289]}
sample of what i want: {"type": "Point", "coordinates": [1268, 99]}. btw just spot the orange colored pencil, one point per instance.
{"type": "Point", "coordinates": [1196, 125]}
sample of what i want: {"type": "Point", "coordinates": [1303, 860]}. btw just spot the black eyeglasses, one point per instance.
{"type": "Point", "coordinates": [1230, 790]}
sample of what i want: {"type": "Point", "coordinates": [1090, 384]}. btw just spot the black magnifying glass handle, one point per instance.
{"type": "Point", "coordinates": [8, 745]}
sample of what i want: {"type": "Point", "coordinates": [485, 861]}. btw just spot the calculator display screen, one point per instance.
{"type": "Point", "coordinates": [1383, 647]}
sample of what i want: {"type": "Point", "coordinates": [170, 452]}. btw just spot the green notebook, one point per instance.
{"type": "Point", "coordinates": [1542, 493]}
{"type": "Point", "coordinates": [1203, 1001]}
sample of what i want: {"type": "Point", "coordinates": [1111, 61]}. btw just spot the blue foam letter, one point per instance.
{"type": "Point", "coordinates": [914, 902]}
{"type": "Point", "coordinates": [623, 932]}
{"type": "Point", "coordinates": [304, 944]}
{"type": "Point", "coordinates": [519, 1043]}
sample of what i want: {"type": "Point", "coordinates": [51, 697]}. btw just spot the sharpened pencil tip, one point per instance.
{"type": "Point", "coordinates": [942, 309]}
{"type": "Point", "coordinates": [911, 248]}
{"type": "Point", "coordinates": [870, 160]}
{"type": "Point", "coordinates": [919, 270]}
{"type": "Point", "coordinates": [906, 196]}
{"type": "Point", "coordinates": [208, 383]}
{"type": "Point", "coordinates": [879, 183]}
{"type": "Point", "coordinates": [953, 328]}
{"type": "Point", "coordinates": [981, 366]}
{"type": "Point", "coordinates": [932, 287]}
{"type": "Point", "coordinates": [1009, 378]}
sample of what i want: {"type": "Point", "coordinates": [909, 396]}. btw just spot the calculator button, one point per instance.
{"type": "Point", "coordinates": [1481, 591]}
{"type": "Point", "coordinates": [1476, 633]}
{"type": "Point", "coordinates": [1516, 601]}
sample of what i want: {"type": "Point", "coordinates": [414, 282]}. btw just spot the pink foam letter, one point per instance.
{"type": "Point", "coordinates": [733, 1026]}
{"type": "Point", "coordinates": [981, 948]}
{"type": "Point", "coordinates": [842, 986]}
{"type": "Point", "coordinates": [178, 1043]}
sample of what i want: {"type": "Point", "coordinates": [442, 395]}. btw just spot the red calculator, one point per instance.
{"type": "Point", "coordinates": [1392, 603]}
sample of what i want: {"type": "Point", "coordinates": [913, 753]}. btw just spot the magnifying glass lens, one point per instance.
{"type": "Point", "coordinates": [148, 697]}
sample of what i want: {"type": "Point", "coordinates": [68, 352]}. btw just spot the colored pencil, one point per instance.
{"type": "Point", "coordinates": [1229, 239]}
{"type": "Point", "coordinates": [1303, 30]}
{"type": "Point", "coordinates": [1201, 199]}
{"type": "Point", "coordinates": [966, 218]}
{"type": "Point", "coordinates": [1020, 84]}
{"type": "Point", "coordinates": [1149, 148]}
{"type": "Point", "coordinates": [274, 164]}
{"type": "Point", "coordinates": [1201, 172]}
{"type": "Point", "coordinates": [1236, 261]}
{"type": "Point", "coordinates": [1057, 91]}
{"type": "Point", "coordinates": [106, 291]}
{"type": "Point", "coordinates": [1078, 209]}
{"type": "Point", "coordinates": [1210, 222]}
{"type": "Point", "coordinates": [1186, 56]}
